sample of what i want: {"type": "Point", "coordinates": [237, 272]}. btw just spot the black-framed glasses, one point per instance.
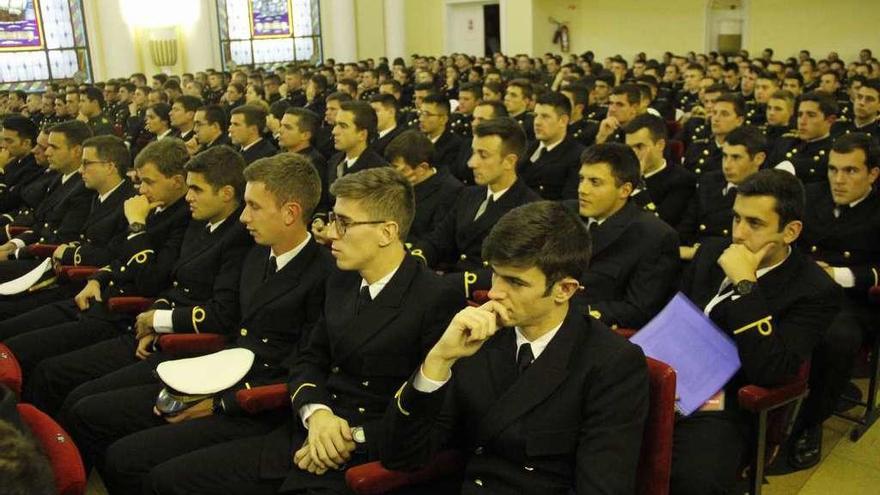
{"type": "Point", "coordinates": [342, 224]}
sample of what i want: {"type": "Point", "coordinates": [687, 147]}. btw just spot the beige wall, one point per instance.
{"type": "Point", "coordinates": [625, 27]}
{"type": "Point", "coordinates": [370, 28]}
{"type": "Point", "coordinates": [845, 26]}
{"type": "Point", "coordinates": [425, 26]}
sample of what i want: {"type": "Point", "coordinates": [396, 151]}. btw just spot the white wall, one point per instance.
{"type": "Point", "coordinates": [118, 47]}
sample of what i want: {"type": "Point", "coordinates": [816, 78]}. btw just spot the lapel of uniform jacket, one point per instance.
{"type": "Point", "coordinates": [538, 382]}
{"type": "Point", "coordinates": [614, 227]}
{"type": "Point", "coordinates": [285, 280]}
{"type": "Point", "coordinates": [377, 315]}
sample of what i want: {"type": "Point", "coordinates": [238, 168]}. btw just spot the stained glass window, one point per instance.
{"type": "Point", "coordinates": [57, 49]}
{"type": "Point", "coordinates": [269, 32]}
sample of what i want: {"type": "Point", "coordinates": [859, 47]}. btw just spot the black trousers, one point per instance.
{"type": "Point", "coordinates": [231, 468]}
{"type": "Point", "coordinates": [708, 449]}
{"type": "Point", "coordinates": [54, 378]}
{"type": "Point", "coordinates": [11, 306]}
{"type": "Point", "coordinates": [138, 440]}
{"type": "Point", "coordinates": [51, 331]}
{"type": "Point", "coordinates": [12, 269]}
{"type": "Point", "coordinates": [832, 363]}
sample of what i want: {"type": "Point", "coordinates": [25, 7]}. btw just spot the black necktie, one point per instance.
{"type": "Point", "coordinates": [524, 357]}
{"type": "Point", "coordinates": [484, 206]}
{"type": "Point", "coordinates": [593, 226]}
{"type": "Point", "coordinates": [271, 268]}
{"type": "Point", "coordinates": [364, 298]}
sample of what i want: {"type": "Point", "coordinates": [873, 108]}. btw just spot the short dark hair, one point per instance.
{"type": "Point", "coordinates": [190, 103]}
{"type": "Point", "coordinates": [162, 110]}
{"type": "Point", "coordinates": [827, 104]}
{"type": "Point", "coordinates": [111, 149]}
{"type": "Point", "coordinates": [94, 94]}
{"type": "Point", "coordinates": [253, 116]}
{"type": "Point", "coordinates": [74, 131]}
{"type": "Point", "coordinates": [412, 146]}
{"type": "Point", "coordinates": [307, 120]}
{"type": "Point", "coordinates": [498, 108]}
{"type": "Point", "coordinates": [221, 166]}
{"type": "Point", "coordinates": [289, 177]}
{"type": "Point", "coordinates": [631, 91]}
{"type": "Point", "coordinates": [351, 83]}
{"type": "Point", "coordinates": [169, 155]}
{"type": "Point", "coordinates": [386, 100]}
{"type": "Point", "coordinates": [656, 126]}
{"type": "Point", "coordinates": [620, 158]}
{"type": "Point", "coordinates": [580, 92]}
{"type": "Point", "coordinates": [784, 187]}
{"type": "Point", "coordinates": [24, 468]}
{"type": "Point", "coordinates": [216, 114]}
{"type": "Point", "coordinates": [338, 96]}
{"type": "Point", "coordinates": [364, 116]}
{"type": "Point", "coordinates": [383, 191]}
{"type": "Point", "coordinates": [847, 143]}
{"type": "Point", "coordinates": [739, 106]}
{"type": "Point", "coordinates": [745, 135]}
{"type": "Point", "coordinates": [560, 103]}
{"type": "Point", "coordinates": [542, 235]}
{"type": "Point", "coordinates": [426, 86]}
{"type": "Point", "coordinates": [473, 88]}
{"type": "Point", "coordinates": [23, 126]}
{"type": "Point", "coordinates": [513, 138]}
{"type": "Point", "coordinates": [525, 85]}
{"type": "Point", "coordinates": [794, 75]}
{"type": "Point", "coordinates": [441, 102]}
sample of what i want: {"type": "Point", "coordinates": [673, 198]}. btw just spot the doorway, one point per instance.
{"type": "Point", "coordinates": [726, 25]}
{"type": "Point", "coordinates": [473, 28]}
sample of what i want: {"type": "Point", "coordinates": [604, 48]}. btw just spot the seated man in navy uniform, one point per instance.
{"type": "Point", "coordinates": [780, 110]}
{"type": "Point", "coordinates": [866, 112]}
{"type": "Point", "coordinates": [246, 124]}
{"type": "Point", "coordinates": [805, 152]}
{"type": "Point", "coordinates": [774, 303]}
{"type": "Point", "coordinates": [455, 246]}
{"type": "Point", "coordinates": [710, 210]}
{"type": "Point", "coordinates": [623, 106]}
{"type": "Point", "coordinates": [282, 290]}
{"type": "Point", "coordinates": [551, 163]}
{"type": "Point", "coordinates": [580, 128]}
{"type": "Point", "coordinates": [157, 220]}
{"type": "Point", "coordinates": [484, 110]}
{"type": "Point", "coordinates": [202, 296]}
{"type": "Point", "coordinates": [433, 122]}
{"type": "Point", "coordinates": [19, 135]}
{"type": "Point", "coordinates": [518, 99]}
{"type": "Point", "coordinates": [704, 155]}
{"type": "Point", "coordinates": [668, 186]}
{"type": "Point", "coordinates": [634, 254]}
{"type": "Point", "coordinates": [542, 398]}
{"type": "Point", "coordinates": [104, 162]}
{"type": "Point", "coordinates": [436, 191]}
{"type": "Point", "coordinates": [841, 233]}
{"type": "Point", "coordinates": [382, 313]}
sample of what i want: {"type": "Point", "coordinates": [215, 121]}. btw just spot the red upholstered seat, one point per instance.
{"type": "Point", "coordinates": [67, 465]}
{"type": "Point", "coordinates": [10, 371]}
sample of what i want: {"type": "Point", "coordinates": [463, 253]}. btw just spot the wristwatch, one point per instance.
{"type": "Point", "coordinates": [357, 434]}
{"type": "Point", "coordinates": [136, 227]}
{"type": "Point", "coordinates": [744, 287]}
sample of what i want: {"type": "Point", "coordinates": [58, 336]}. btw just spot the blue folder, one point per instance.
{"type": "Point", "coordinates": [703, 356]}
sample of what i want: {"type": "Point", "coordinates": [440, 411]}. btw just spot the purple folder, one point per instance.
{"type": "Point", "coordinates": [704, 357]}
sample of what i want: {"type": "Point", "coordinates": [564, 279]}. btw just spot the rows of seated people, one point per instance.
{"type": "Point", "coordinates": [334, 220]}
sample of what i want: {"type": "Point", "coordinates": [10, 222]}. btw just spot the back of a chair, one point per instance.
{"type": "Point", "coordinates": [655, 461]}
{"type": "Point", "coordinates": [10, 370]}
{"type": "Point", "coordinates": [67, 465]}
{"type": "Point", "coordinates": [676, 151]}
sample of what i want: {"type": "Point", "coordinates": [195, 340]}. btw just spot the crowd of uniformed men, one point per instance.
{"type": "Point", "coordinates": [334, 220]}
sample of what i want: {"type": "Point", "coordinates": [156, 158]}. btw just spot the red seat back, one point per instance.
{"type": "Point", "coordinates": [67, 465]}
{"type": "Point", "coordinates": [655, 460]}
{"type": "Point", "coordinates": [10, 371]}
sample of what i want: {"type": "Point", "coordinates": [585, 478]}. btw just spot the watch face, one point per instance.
{"type": "Point", "coordinates": [358, 435]}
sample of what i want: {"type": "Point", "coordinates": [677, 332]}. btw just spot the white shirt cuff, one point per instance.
{"type": "Point", "coordinates": [844, 277]}
{"type": "Point", "coordinates": [18, 243]}
{"type": "Point", "coordinates": [307, 410]}
{"type": "Point", "coordinates": [162, 321]}
{"type": "Point", "coordinates": [132, 236]}
{"type": "Point", "coordinates": [426, 385]}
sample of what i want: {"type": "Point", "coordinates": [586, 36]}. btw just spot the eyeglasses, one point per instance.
{"type": "Point", "coordinates": [342, 225]}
